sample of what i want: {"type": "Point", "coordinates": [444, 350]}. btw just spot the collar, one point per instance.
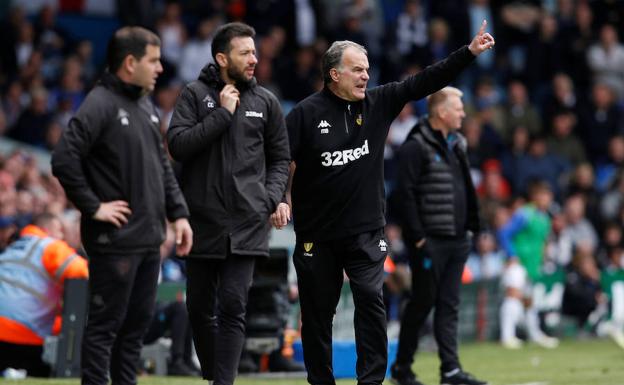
{"type": "Point", "coordinates": [32, 230]}
{"type": "Point", "coordinates": [112, 81]}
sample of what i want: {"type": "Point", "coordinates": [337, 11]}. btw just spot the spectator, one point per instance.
{"type": "Point", "coordinates": [562, 98]}
{"type": "Point", "coordinates": [606, 172]}
{"type": "Point", "coordinates": [537, 163]}
{"type": "Point", "coordinates": [198, 51]}
{"type": "Point", "coordinates": [488, 261]}
{"type": "Point", "coordinates": [563, 142]}
{"type": "Point", "coordinates": [599, 121]}
{"type": "Point", "coordinates": [612, 239]}
{"type": "Point", "coordinates": [32, 124]}
{"type": "Point", "coordinates": [606, 60]}
{"type": "Point", "coordinates": [518, 111]}
{"type": "Point", "coordinates": [578, 227]}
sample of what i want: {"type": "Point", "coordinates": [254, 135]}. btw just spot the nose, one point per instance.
{"type": "Point", "coordinates": [159, 68]}
{"type": "Point", "coordinates": [253, 59]}
{"type": "Point", "coordinates": [365, 75]}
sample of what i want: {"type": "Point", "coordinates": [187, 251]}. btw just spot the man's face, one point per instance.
{"type": "Point", "coordinates": [352, 75]}
{"type": "Point", "coordinates": [241, 60]}
{"type": "Point", "coordinates": [452, 113]}
{"type": "Point", "coordinates": [147, 69]}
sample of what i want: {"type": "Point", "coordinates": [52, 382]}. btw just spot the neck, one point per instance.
{"type": "Point", "coordinates": [334, 89]}
{"type": "Point", "coordinates": [437, 125]}
{"type": "Point", "coordinates": [127, 79]}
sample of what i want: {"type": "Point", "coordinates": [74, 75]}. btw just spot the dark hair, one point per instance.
{"type": "Point", "coordinates": [128, 41]}
{"type": "Point", "coordinates": [333, 56]}
{"type": "Point", "coordinates": [225, 34]}
{"type": "Point", "coordinates": [536, 186]}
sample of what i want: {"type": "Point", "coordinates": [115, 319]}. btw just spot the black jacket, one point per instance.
{"type": "Point", "coordinates": [338, 185]}
{"type": "Point", "coordinates": [234, 167]}
{"type": "Point", "coordinates": [113, 150]}
{"type": "Point", "coordinates": [434, 194]}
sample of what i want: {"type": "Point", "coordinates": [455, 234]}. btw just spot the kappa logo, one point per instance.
{"type": "Point", "coordinates": [209, 102]}
{"type": "Point", "coordinates": [253, 114]}
{"type": "Point", "coordinates": [383, 246]}
{"type": "Point", "coordinates": [307, 247]}
{"type": "Point", "coordinates": [123, 116]}
{"type": "Point", "coordinates": [324, 126]}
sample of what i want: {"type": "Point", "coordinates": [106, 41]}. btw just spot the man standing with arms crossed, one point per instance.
{"type": "Point", "coordinates": [230, 136]}
{"type": "Point", "coordinates": [437, 205]}
{"type": "Point", "coordinates": [113, 167]}
{"type": "Point", "coordinates": [337, 138]}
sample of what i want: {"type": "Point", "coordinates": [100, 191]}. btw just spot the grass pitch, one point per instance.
{"type": "Point", "coordinates": [591, 362]}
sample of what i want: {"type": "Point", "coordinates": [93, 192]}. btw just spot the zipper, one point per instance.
{"type": "Point", "coordinates": [345, 122]}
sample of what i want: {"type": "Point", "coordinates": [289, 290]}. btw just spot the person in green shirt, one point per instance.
{"type": "Point", "coordinates": [524, 238]}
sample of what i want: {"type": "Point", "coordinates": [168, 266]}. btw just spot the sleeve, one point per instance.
{"type": "Point", "coordinates": [433, 78]}
{"type": "Point", "coordinates": [293, 124]}
{"type": "Point", "coordinates": [189, 133]}
{"type": "Point", "coordinates": [174, 199]}
{"type": "Point", "coordinates": [74, 146]}
{"type": "Point", "coordinates": [516, 224]}
{"type": "Point", "coordinates": [61, 261]}
{"type": "Point", "coordinates": [410, 167]}
{"type": "Point", "coordinates": [277, 154]}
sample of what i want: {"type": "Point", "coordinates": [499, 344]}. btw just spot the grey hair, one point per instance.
{"type": "Point", "coordinates": [333, 56]}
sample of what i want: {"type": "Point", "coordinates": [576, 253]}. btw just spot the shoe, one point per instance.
{"type": "Point", "coordinates": [616, 334]}
{"type": "Point", "coordinates": [512, 343]}
{"type": "Point", "coordinates": [460, 378]}
{"type": "Point", "coordinates": [279, 363]}
{"type": "Point", "coordinates": [547, 342]}
{"type": "Point", "coordinates": [403, 376]}
{"type": "Point", "coordinates": [180, 368]}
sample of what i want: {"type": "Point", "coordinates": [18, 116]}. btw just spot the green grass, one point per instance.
{"type": "Point", "coordinates": [593, 362]}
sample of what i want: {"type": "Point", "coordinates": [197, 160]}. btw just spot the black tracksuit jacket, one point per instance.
{"type": "Point", "coordinates": [338, 186]}
{"type": "Point", "coordinates": [113, 150]}
{"type": "Point", "coordinates": [234, 167]}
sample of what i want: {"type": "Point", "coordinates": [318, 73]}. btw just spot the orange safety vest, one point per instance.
{"type": "Point", "coordinates": [32, 272]}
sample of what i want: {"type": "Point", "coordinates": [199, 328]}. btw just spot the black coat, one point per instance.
{"type": "Point", "coordinates": [234, 167]}
{"type": "Point", "coordinates": [113, 150]}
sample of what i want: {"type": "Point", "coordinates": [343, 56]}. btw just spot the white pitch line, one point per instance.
{"type": "Point", "coordinates": [532, 383]}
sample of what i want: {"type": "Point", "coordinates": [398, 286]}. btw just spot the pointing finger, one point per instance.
{"type": "Point", "coordinates": [482, 29]}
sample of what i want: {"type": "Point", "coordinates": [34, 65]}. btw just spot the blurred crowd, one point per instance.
{"type": "Point", "coordinates": [545, 104]}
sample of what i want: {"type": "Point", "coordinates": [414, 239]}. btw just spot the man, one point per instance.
{"type": "Point", "coordinates": [30, 302]}
{"type": "Point", "coordinates": [230, 136]}
{"type": "Point", "coordinates": [113, 167]}
{"type": "Point", "coordinates": [337, 139]}
{"type": "Point", "coordinates": [437, 205]}
{"type": "Point", "coordinates": [524, 240]}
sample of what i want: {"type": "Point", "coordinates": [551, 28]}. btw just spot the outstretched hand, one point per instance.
{"type": "Point", "coordinates": [482, 41]}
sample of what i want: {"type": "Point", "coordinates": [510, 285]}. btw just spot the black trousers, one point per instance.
{"type": "Point", "coordinates": [122, 293]}
{"type": "Point", "coordinates": [216, 298]}
{"type": "Point", "coordinates": [436, 278]}
{"type": "Point", "coordinates": [320, 267]}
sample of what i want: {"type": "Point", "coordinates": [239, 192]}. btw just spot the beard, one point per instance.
{"type": "Point", "coordinates": [238, 76]}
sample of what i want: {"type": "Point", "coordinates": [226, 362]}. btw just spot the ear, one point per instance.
{"type": "Point", "coordinates": [222, 60]}
{"type": "Point", "coordinates": [335, 75]}
{"type": "Point", "coordinates": [129, 63]}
